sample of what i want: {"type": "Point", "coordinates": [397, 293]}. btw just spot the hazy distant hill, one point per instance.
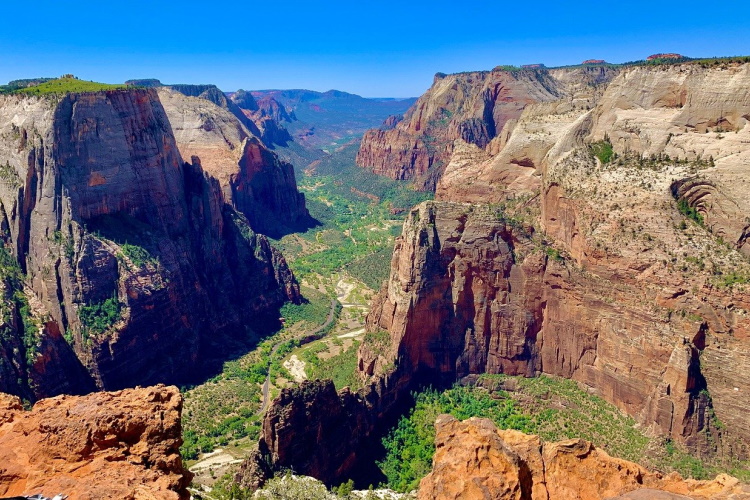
{"type": "Point", "coordinates": [329, 119]}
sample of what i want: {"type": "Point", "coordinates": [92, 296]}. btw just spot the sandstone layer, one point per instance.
{"type": "Point", "coordinates": [122, 445]}
{"type": "Point", "coordinates": [475, 460]}
{"type": "Point", "coordinates": [475, 107]}
{"type": "Point", "coordinates": [134, 265]}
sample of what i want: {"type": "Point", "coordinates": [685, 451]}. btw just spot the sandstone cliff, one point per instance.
{"type": "Point", "coordinates": [475, 107]}
{"type": "Point", "coordinates": [475, 460]}
{"type": "Point", "coordinates": [268, 115]}
{"type": "Point", "coordinates": [602, 236]}
{"type": "Point", "coordinates": [135, 264]}
{"type": "Point", "coordinates": [253, 179]}
{"type": "Point", "coordinates": [121, 445]}
{"type": "Point", "coordinates": [614, 287]}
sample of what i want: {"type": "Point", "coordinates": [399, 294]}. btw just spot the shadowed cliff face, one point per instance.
{"type": "Point", "coordinates": [137, 266]}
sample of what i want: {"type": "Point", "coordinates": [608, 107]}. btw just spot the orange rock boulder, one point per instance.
{"type": "Point", "coordinates": [475, 460]}
{"type": "Point", "coordinates": [122, 445]}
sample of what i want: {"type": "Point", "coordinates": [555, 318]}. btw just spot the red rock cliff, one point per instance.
{"type": "Point", "coordinates": [104, 218]}
{"type": "Point", "coordinates": [475, 107]}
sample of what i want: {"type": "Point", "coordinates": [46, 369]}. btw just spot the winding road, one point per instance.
{"type": "Point", "coordinates": [267, 383]}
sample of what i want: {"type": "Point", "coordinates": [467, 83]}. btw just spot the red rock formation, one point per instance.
{"type": "Point", "coordinates": [474, 107]}
{"type": "Point", "coordinates": [90, 174]}
{"type": "Point", "coordinates": [594, 61]}
{"type": "Point", "coordinates": [122, 445]}
{"type": "Point", "coordinates": [475, 460]}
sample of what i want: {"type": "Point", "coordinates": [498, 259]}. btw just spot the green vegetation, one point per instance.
{"type": "Point", "coordinates": [372, 269]}
{"type": "Point", "coordinates": [602, 150]}
{"type": "Point", "coordinates": [224, 410]}
{"type": "Point", "coordinates": [359, 213]}
{"type": "Point", "coordinates": [138, 255]}
{"type": "Point", "coordinates": [15, 298]}
{"type": "Point", "coordinates": [689, 212]}
{"type": "Point", "coordinates": [67, 85]}
{"type": "Point", "coordinates": [410, 445]}
{"type": "Point", "coordinates": [551, 407]}
{"type": "Point", "coordinates": [97, 318]}
{"type": "Point", "coordinates": [341, 368]}
{"type": "Point", "coordinates": [733, 278]}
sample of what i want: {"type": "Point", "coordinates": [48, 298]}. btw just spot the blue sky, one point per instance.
{"type": "Point", "coordinates": [386, 48]}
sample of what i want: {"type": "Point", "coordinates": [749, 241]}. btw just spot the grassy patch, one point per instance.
{"type": "Point", "coordinates": [602, 150]}
{"type": "Point", "coordinates": [341, 368]}
{"type": "Point", "coordinates": [97, 318]}
{"type": "Point", "coordinates": [68, 85]}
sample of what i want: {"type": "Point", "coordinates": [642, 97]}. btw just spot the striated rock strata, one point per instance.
{"type": "Point", "coordinates": [121, 445]}
{"type": "Point", "coordinates": [134, 264]}
{"type": "Point", "coordinates": [475, 460]}
{"type": "Point", "coordinates": [475, 107]}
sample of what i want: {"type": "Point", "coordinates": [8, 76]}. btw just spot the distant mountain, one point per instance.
{"type": "Point", "coordinates": [327, 120]}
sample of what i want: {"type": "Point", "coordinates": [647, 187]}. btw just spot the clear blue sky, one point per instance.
{"type": "Point", "coordinates": [384, 48]}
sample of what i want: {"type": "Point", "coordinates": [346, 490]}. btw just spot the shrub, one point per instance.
{"type": "Point", "coordinates": [99, 317]}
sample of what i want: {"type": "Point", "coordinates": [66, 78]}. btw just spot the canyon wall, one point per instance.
{"type": "Point", "coordinates": [253, 179]}
{"type": "Point", "coordinates": [475, 107]}
{"type": "Point", "coordinates": [614, 288]}
{"type": "Point", "coordinates": [602, 236]}
{"type": "Point", "coordinates": [135, 264]}
{"type": "Point", "coordinates": [123, 445]}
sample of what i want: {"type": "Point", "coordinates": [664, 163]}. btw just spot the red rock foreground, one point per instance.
{"type": "Point", "coordinates": [475, 460]}
{"type": "Point", "coordinates": [116, 445]}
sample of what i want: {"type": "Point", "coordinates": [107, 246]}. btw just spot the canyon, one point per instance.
{"type": "Point", "coordinates": [588, 223]}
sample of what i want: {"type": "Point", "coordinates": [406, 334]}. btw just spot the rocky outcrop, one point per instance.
{"type": "Point", "coordinates": [268, 115]}
{"type": "Point", "coordinates": [105, 445]}
{"type": "Point", "coordinates": [474, 107]}
{"type": "Point", "coordinates": [252, 178]}
{"type": "Point", "coordinates": [136, 265]}
{"type": "Point", "coordinates": [670, 55]}
{"type": "Point", "coordinates": [475, 460]}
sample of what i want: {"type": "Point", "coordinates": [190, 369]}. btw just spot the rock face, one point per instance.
{"type": "Point", "coordinates": [475, 107]}
{"type": "Point", "coordinates": [268, 115]}
{"type": "Point", "coordinates": [105, 445]}
{"type": "Point", "coordinates": [136, 265]}
{"type": "Point", "coordinates": [252, 178]}
{"type": "Point", "coordinates": [610, 285]}
{"type": "Point", "coordinates": [626, 271]}
{"type": "Point", "coordinates": [475, 460]}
